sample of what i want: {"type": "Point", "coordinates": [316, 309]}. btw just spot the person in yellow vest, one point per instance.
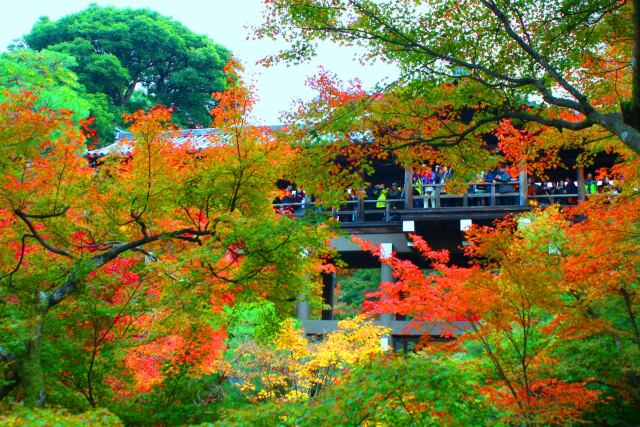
{"type": "Point", "coordinates": [417, 191]}
{"type": "Point", "coordinates": [382, 196]}
{"type": "Point", "coordinates": [590, 185]}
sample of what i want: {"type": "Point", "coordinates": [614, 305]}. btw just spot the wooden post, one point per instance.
{"type": "Point", "coordinates": [523, 185]}
{"type": "Point", "coordinates": [361, 206]}
{"type": "Point", "coordinates": [386, 276]}
{"type": "Point", "coordinates": [581, 192]}
{"type": "Point", "coordinates": [408, 188]}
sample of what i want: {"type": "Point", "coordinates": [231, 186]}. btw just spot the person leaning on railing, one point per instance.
{"type": "Point", "coordinates": [299, 199]}
{"type": "Point", "coordinates": [417, 189]}
{"type": "Point", "coordinates": [503, 179]}
{"type": "Point", "coordinates": [424, 184]}
{"type": "Point", "coordinates": [380, 194]}
{"type": "Point", "coordinates": [395, 193]}
{"type": "Point", "coordinates": [571, 190]}
{"type": "Point", "coordinates": [609, 188]}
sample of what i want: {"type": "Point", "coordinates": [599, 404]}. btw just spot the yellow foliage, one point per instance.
{"type": "Point", "coordinates": [290, 339]}
{"type": "Point", "coordinates": [355, 340]}
{"type": "Point", "coordinates": [296, 369]}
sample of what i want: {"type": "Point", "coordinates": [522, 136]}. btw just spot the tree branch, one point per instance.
{"type": "Point", "coordinates": [585, 107]}
{"type": "Point", "coordinates": [19, 263]}
{"type": "Point", "coordinates": [49, 215]}
{"type": "Point", "coordinates": [614, 123]}
{"type": "Point", "coordinates": [143, 227]}
{"type": "Point", "coordinates": [39, 238]}
{"type": "Point", "coordinates": [73, 278]}
{"type": "Point", "coordinates": [456, 138]}
{"type": "Point", "coordinates": [631, 315]}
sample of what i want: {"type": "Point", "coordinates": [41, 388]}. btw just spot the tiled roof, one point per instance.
{"type": "Point", "coordinates": [198, 138]}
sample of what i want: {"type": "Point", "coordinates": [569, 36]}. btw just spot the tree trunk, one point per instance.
{"type": "Point", "coordinates": [31, 372]}
{"type": "Point", "coordinates": [631, 109]}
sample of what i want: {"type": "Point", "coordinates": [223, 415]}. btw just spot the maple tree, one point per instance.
{"type": "Point", "coordinates": [49, 73]}
{"type": "Point", "coordinates": [543, 293]}
{"type": "Point", "coordinates": [553, 63]}
{"type": "Point", "coordinates": [134, 261]}
{"type": "Point", "coordinates": [535, 78]}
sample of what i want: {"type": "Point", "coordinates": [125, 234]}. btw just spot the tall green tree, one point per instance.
{"type": "Point", "coordinates": [137, 56]}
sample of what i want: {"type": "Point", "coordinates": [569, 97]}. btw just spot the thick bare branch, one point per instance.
{"type": "Point", "coordinates": [456, 138]}
{"type": "Point", "coordinates": [615, 124]}
{"type": "Point", "coordinates": [585, 107]}
{"type": "Point", "coordinates": [75, 276]}
{"type": "Point", "coordinates": [48, 215]}
{"type": "Point", "coordinates": [23, 216]}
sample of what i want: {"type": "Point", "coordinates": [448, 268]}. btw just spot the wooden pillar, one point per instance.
{"type": "Point", "coordinates": [408, 188]}
{"type": "Point", "coordinates": [361, 207]}
{"type": "Point", "coordinates": [328, 286]}
{"type": "Point", "coordinates": [523, 184]}
{"type": "Point", "coordinates": [386, 276]}
{"type": "Point", "coordinates": [581, 192]}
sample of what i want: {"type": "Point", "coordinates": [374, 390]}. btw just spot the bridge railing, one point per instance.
{"type": "Point", "coordinates": [549, 199]}
{"type": "Point", "coordinates": [433, 197]}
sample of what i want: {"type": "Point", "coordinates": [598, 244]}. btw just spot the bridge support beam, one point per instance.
{"type": "Point", "coordinates": [386, 276]}
{"type": "Point", "coordinates": [302, 308]}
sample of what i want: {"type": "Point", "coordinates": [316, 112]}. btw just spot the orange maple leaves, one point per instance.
{"type": "Point", "coordinates": [511, 302]}
{"type": "Point", "coordinates": [198, 350]}
{"type": "Point", "coordinates": [522, 147]}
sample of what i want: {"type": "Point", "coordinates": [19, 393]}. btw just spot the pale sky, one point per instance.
{"type": "Point", "coordinates": [224, 22]}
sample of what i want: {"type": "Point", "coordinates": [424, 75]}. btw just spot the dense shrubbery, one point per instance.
{"type": "Point", "coordinates": [21, 416]}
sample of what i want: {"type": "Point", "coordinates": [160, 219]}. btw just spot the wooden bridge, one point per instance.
{"type": "Point", "coordinates": [439, 218]}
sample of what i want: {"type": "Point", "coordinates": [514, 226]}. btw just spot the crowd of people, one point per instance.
{"type": "Point", "coordinates": [292, 201]}
{"type": "Point", "coordinates": [497, 186]}
{"type": "Point", "coordinates": [566, 192]}
{"type": "Point", "coordinates": [425, 181]}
